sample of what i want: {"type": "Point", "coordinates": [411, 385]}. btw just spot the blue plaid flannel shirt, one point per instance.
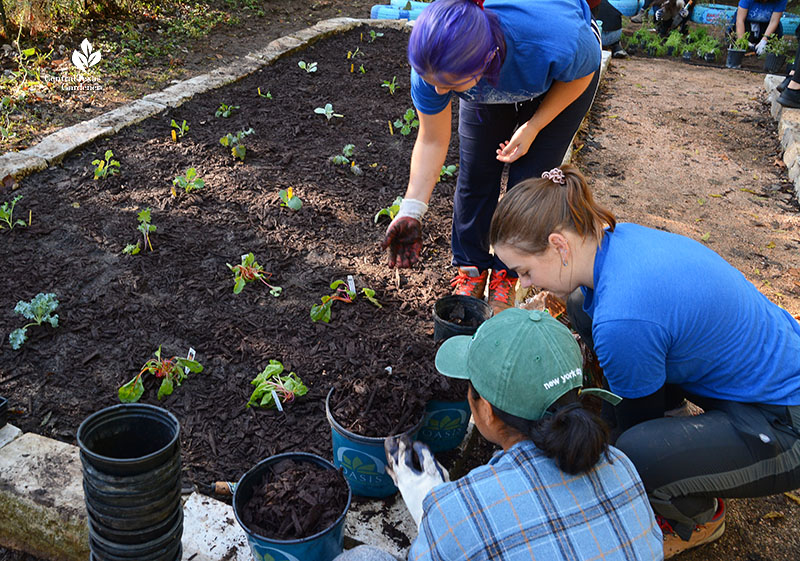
{"type": "Point", "coordinates": [520, 506]}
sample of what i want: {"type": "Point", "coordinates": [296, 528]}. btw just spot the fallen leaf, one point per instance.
{"type": "Point", "coordinates": [746, 190]}
{"type": "Point", "coordinates": [716, 196]}
{"type": "Point", "coordinates": [789, 494]}
{"type": "Point", "coordinates": [770, 245]}
{"type": "Point", "coordinates": [772, 514]}
{"type": "Point", "coordinates": [76, 205]}
{"type": "Point", "coordinates": [705, 237]}
{"type": "Point", "coordinates": [778, 162]}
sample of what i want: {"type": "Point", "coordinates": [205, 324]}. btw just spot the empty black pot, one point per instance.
{"type": "Point", "coordinates": [734, 58]}
{"type": "Point", "coordinates": [475, 312]}
{"type": "Point", "coordinates": [773, 64]}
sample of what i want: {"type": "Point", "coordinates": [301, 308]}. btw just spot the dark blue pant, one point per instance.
{"type": "Point", "coordinates": [481, 129]}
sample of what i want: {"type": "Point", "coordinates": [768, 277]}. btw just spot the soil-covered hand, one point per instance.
{"type": "Point", "coordinates": [414, 484]}
{"type": "Point", "coordinates": [404, 241]}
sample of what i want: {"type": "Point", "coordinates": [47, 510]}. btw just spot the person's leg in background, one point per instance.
{"type": "Point", "coordinates": [641, 15]}
{"type": "Point", "coordinates": [612, 28]}
{"type": "Point", "coordinates": [789, 88]}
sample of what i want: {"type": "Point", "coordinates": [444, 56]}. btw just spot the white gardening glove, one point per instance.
{"type": "Point", "coordinates": [659, 14]}
{"type": "Point", "coordinates": [761, 46]}
{"type": "Point", "coordinates": [684, 13]}
{"type": "Point", "coordinates": [414, 484]}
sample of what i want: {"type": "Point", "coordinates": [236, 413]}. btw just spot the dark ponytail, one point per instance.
{"type": "Point", "coordinates": [569, 433]}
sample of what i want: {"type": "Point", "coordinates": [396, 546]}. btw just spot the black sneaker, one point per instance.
{"type": "Point", "coordinates": [783, 85]}
{"type": "Point", "coordinates": [618, 52]}
{"type": "Point", "coordinates": [639, 17]}
{"type": "Point", "coordinates": [790, 98]}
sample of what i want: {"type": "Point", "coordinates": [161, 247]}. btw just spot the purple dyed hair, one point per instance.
{"type": "Point", "coordinates": [457, 39]}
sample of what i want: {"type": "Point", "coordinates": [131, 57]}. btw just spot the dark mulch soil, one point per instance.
{"type": "Point", "coordinates": [295, 500]}
{"type": "Point", "coordinates": [115, 310]}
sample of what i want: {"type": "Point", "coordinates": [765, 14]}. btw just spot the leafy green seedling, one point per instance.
{"type": "Point", "coordinates": [286, 387]}
{"type": "Point", "coordinates": [7, 214]}
{"type": "Point", "coordinates": [248, 271]}
{"type": "Point", "coordinates": [171, 371]}
{"type": "Point", "coordinates": [179, 131]}
{"type": "Point", "coordinates": [234, 142]}
{"type": "Point", "coordinates": [390, 211]}
{"type": "Point", "coordinates": [106, 166]}
{"type": "Point", "coordinates": [447, 171]}
{"type": "Point", "coordinates": [145, 227]}
{"type": "Point", "coordinates": [132, 249]}
{"type": "Point", "coordinates": [391, 85]}
{"type": "Point", "coordinates": [345, 159]}
{"type": "Point", "coordinates": [374, 35]}
{"type": "Point", "coordinates": [225, 111]}
{"type": "Point", "coordinates": [39, 310]}
{"type": "Point", "coordinates": [322, 311]}
{"type": "Point", "coordinates": [352, 54]}
{"type": "Point", "coordinates": [268, 95]}
{"type": "Point", "coordinates": [362, 69]}
{"type": "Point", "coordinates": [309, 67]}
{"type": "Point", "coordinates": [327, 111]}
{"type": "Point", "coordinates": [289, 199]}
{"type": "Point", "coordinates": [408, 122]}
{"type": "Point", "coordinates": [189, 182]}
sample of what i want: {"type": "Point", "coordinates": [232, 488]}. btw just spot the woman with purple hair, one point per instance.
{"type": "Point", "coordinates": [526, 72]}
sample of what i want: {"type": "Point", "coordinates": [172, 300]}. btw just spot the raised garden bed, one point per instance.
{"type": "Point", "coordinates": [115, 310]}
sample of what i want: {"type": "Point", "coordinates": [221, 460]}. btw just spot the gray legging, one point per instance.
{"type": "Point", "coordinates": [365, 553]}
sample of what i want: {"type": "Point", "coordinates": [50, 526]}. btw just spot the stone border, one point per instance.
{"type": "Point", "coordinates": [788, 131]}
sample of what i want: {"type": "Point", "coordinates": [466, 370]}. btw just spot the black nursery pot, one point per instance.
{"type": "Point", "coordinates": [773, 64]}
{"type": "Point", "coordinates": [670, 51]}
{"type": "Point", "coordinates": [734, 58]}
{"type": "Point", "coordinates": [476, 311]}
{"type": "Point", "coordinates": [710, 57]}
{"type": "Point", "coordinates": [3, 412]}
{"type": "Point", "coordinates": [687, 56]}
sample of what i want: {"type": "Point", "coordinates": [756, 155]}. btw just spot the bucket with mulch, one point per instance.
{"type": "Point", "coordinates": [458, 315]}
{"type": "Point", "coordinates": [362, 414]}
{"type": "Point", "coordinates": [292, 508]}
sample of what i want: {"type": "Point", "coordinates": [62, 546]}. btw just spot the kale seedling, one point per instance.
{"type": "Point", "coordinates": [132, 249]}
{"type": "Point", "coordinates": [40, 309]}
{"type": "Point", "coordinates": [390, 211]}
{"type": "Point", "coordinates": [374, 35]}
{"type": "Point", "coordinates": [249, 271]}
{"type": "Point", "coordinates": [179, 131]}
{"type": "Point", "coordinates": [408, 122]}
{"type": "Point", "coordinates": [289, 199]}
{"type": "Point", "coordinates": [225, 111]}
{"type": "Point", "coordinates": [447, 171]}
{"type": "Point", "coordinates": [234, 142]}
{"type": "Point", "coordinates": [7, 214]}
{"type": "Point", "coordinates": [322, 312]}
{"type": "Point", "coordinates": [391, 85]}
{"type": "Point", "coordinates": [145, 228]}
{"type": "Point", "coordinates": [327, 111]}
{"type": "Point", "coordinates": [189, 182]}
{"type": "Point", "coordinates": [270, 380]}
{"type": "Point", "coordinates": [106, 166]}
{"type": "Point", "coordinates": [170, 370]}
{"type": "Point", "coordinates": [344, 159]}
{"type": "Point", "coordinates": [308, 67]}
{"type": "Point", "coordinates": [268, 95]}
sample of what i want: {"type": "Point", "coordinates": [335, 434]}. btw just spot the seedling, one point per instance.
{"type": "Point", "coordinates": [270, 381]}
{"type": "Point", "coordinates": [327, 111]}
{"type": "Point", "coordinates": [179, 131]}
{"type": "Point", "coordinates": [374, 35]}
{"type": "Point", "coordinates": [189, 182]}
{"type": "Point", "coordinates": [309, 67]}
{"type": "Point", "coordinates": [352, 54]}
{"type": "Point", "coordinates": [248, 271]}
{"type": "Point", "coordinates": [407, 122]}
{"type": "Point", "coordinates": [289, 199]}
{"type": "Point", "coordinates": [234, 142]}
{"type": "Point", "coordinates": [447, 171]}
{"type": "Point", "coordinates": [268, 95]}
{"type": "Point", "coordinates": [344, 159]}
{"type": "Point", "coordinates": [145, 228]}
{"type": "Point", "coordinates": [132, 249]}
{"type": "Point", "coordinates": [106, 166]}
{"type": "Point", "coordinates": [391, 85]}
{"type": "Point", "coordinates": [362, 69]}
{"type": "Point", "coordinates": [39, 310]}
{"type": "Point", "coordinates": [225, 111]}
{"type": "Point", "coordinates": [322, 312]}
{"type": "Point", "coordinates": [7, 214]}
{"type": "Point", "coordinates": [171, 371]}
{"type": "Point", "coordinates": [390, 211]}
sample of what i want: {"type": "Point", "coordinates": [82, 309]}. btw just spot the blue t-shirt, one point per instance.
{"type": "Point", "coordinates": [757, 11]}
{"type": "Point", "coordinates": [546, 40]}
{"type": "Point", "coordinates": [667, 309]}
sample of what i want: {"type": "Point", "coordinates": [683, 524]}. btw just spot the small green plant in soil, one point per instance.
{"type": "Point", "coordinates": [779, 46]}
{"type": "Point", "coordinates": [447, 171]}
{"type": "Point", "coordinates": [322, 311]}
{"type": "Point", "coordinates": [289, 199]}
{"type": "Point", "coordinates": [170, 370]}
{"type": "Point", "coordinates": [105, 167]}
{"type": "Point", "coordinates": [189, 181]}
{"type": "Point", "coordinates": [739, 43]}
{"type": "Point", "coordinates": [145, 228]}
{"type": "Point", "coordinates": [327, 111]}
{"type": "Point", "coordinates": [390, 211]}
{"type": "Point", "coordinates": [248, 271]}
{"type": "Point", "coordinates": [234, 142]}
{"type": "Point", "coordinates": [267, 95]}
{"type": "Point", "coordinates": [362, 69]}
{"type": "Point", "coordinates": [391, 85]}
{"type": "Point", "coordinates": [309, 67]}
{"type": "Point", "coordinates": [674, 40]}
{"type": "Point", "coordinates": [407, 122]}
{"type": "Point", "coordinates": [353, 54]}
{"type": "Point", "coordinates": [39, 310]}
{"type": "Point", "coordinates": [286, 387]}
{"type": "Point", "coordinates": [225, 111]}
{"type": "Point", "coordinates": [345, 159]}
{"type": "Point", "coordinates": [179, 131]}
{"type": "Point", "coordinates": [374, 35]}
{"type": "Point", "coordinates": [7, 214]}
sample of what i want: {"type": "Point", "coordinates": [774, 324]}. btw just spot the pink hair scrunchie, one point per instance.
{"type": "Point", "coordinates": [555, 175]}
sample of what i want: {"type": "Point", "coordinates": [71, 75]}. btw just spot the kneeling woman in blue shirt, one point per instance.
{"type": "Point", "coordinates": [557, 491]}
{"type": "Point", "coordinates": [668, 319]}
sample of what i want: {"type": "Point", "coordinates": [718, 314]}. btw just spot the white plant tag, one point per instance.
{"type": "Point", "coordinates": [189, 356]}
{"type": "Point", "coordinates": [351, 284]}
{"type": "Point", "coordinates": [277, 401]}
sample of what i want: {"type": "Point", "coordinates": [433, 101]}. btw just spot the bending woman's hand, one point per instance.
{"type": "Point", "coordinates": [404, 241]}
{"type": "Point", "coordinates": [518, 146]}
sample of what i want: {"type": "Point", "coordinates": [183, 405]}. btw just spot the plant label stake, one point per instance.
{"type": "Point", "coordinates": [351, 284]}
{"type": "Point", "coordinates": [277, 401]}
{"type": "Point", "coordinates": [190, 356]}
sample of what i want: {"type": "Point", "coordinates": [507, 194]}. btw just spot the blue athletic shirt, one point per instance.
{"type": "Point", "coordinates": [756, 11]}
{"type": "Point", "coordinates": [546, 40]}
{"type": "Point", "coordinates": [666, 309]}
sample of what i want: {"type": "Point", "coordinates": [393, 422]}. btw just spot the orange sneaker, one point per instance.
{"type": "Point", "coordinates": [703, 533]}
{"type": "Point", "coordinates": [502, 291]}
{"type": "Point", "coordinates": [470, 282]}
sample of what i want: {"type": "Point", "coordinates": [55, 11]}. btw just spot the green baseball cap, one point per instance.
{"type": "Point", "coordinates": [520, 361]}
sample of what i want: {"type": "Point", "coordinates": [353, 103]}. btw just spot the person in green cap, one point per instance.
{"type": "Point", "coordinates": [556, 491]}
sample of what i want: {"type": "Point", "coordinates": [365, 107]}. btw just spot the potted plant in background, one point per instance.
{"type": "Point", "coordinates": [708, 49]}
{"type": "Point", "coordinates": [737, 47]}
{"type": "Point", "coordinates": [778, 49]}
{"type": "Point", "coordinates": [674, 43]}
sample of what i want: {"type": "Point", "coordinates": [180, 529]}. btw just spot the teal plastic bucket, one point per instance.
{"type": "Point", "coordinates": [322, 546]}
{"type": "Point", "coordinates": [711, 13]}
{"type": "Point", "coordinates": [362, 458]}
{"type": "Point", "coordinates": [382, 11]}
{"type": "Point", "coordinates": [409, 5]}
{"type": "Point", "coordinates": [445, 424]}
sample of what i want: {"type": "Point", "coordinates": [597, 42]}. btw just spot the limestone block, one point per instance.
{"type": "Point", "coordinates": [776, 109]}
{"type": "Point", "coordinates": [237, 70]}
{"type": "Point", "coordinates": [181, 92]}
{"type": "Point", "coordinates": [286, 44]}
{"type": "Point", "coordinates": [20, 164]}
{"type": "Point", "coordinates": [8, 433]}
{"type": "Point", "coordinates": [54, 147]}
{"type": "Point", "coordinates": [127, 115]}
{"type": "Point", "coordinates": [771, 81]}
{"type": "Point", "coordinates": [267, 55]}
{"type": "Point", "coordinates": [41, 499]}
{"type": "Point", "coordinates": [794, 171]}
{"type": "Point", "coordinates": [210, 531]}
{"type": "Point", "coordinates": [364, 527]}
{"type": "Point", "coordinates": [402, 24]}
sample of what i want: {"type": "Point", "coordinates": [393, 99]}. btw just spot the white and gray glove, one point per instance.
{"type": "Point", "coordinates": [414, 484]}
{"type": "Point", "coordinates": [684, 13]}
{"type": "Point", "coordinates": [659, 14]}
{"type": "Point", "coordinates": [761, 46]}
